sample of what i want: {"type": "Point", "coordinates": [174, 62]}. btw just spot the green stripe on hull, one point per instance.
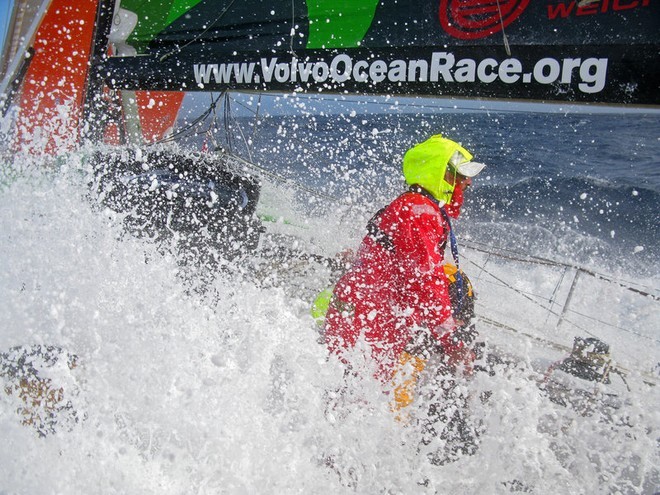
{"type": "Point", "coordinates": [339, 23]}
{"type": "Point", "coordinates": [153, 18]}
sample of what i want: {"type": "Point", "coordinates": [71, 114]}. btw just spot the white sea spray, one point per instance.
{"type": "Point", "coordinates": [191, 383]}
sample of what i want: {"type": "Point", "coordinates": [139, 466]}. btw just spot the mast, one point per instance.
{"type": "Point", "coordinates": [120, 116]}
{"type": "Point", "coordinates": [95, 108]}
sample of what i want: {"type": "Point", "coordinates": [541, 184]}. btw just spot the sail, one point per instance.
{"type": "Point", "coordinates": [123, 65]}
{"type": "Point", "coordinates": [601, 51]}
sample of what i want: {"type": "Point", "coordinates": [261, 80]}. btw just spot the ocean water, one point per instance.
{"type": "Point", "coordinates": [209, 380]}
{"type": "Point", "coordinates": [557, 185]}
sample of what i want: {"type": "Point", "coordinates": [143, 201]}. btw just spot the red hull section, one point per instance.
{"type": "Point", "coordinates": [53, 91]}
{"type": "Point", "coordinates": [158, 111]}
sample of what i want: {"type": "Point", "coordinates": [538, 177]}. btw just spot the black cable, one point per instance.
{"type": "Point", "coordinates": [201, 118]}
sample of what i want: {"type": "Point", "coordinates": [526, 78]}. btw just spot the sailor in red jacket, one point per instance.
{"type": "Point", "coordinates": [397, 286]}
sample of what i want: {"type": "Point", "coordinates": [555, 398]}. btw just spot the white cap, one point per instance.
{"type": "Point", "coordinates": [470, 169]}
{"type": "Point", "coordinates": [461, 162]}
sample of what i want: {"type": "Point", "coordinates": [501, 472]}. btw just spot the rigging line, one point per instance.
{"type": "Point", "coordinates": [564, 319]}
{"type": "Point", "coordinates": [552, 312]}
{"type": "Point", "coordinates": [196, 38]}
{"type": "Point", "coordinates": [414, 105]}
{"type": "Point", "coordinates": [214, 125]}
{"type": "Point", "coordinates": [504, 38]}
{"type": "Point", "coordinates": [504, 326]}
{"type": "Point", "coordinates": [198, 120]}
{"type": "Point", "coordinates": [256, 120]}
{"type": "Point", "coordinates": [567, 320]}
{"type": "Point", "coordinates": [241, 104]}
{"type": "Point", "coordinates": [247, 145]}
{"type": "Point", "coordinates": [541, 261]}
{"type": "Point", "coordinates": [513, 255]}
{"type": "Point", "coordinates": [509, 286]}
{"type": "Point", "coordinates": [311, 152]}
{"type": "Point", "coordinates": [250, 164]}
{"type": "Point", "coordinates": [293, 27]}
{"type": "Point", "coordinates": [283, 180]}
{"type": "Point", "coordinates": [291, 182]}
{"type": "Point", "coordinates": [227, 119]}
{"type": "Point", "coordinates": [530, 295]}
{"type": "Point", "coordinates": [617, 327]}
{"type": "Point", "coordinates": [175, 136]}
{"type": "Point", "coordinates": [225, 123]}
{"type": "Point", "coordinates": [238, 126]}
{"type": "Point", "coordinates": [549, 310]}
{"type": "Point", "coordinates": [231, 123]}
{"type": "Point", "coordinates": [648, 379]}
{"type": "Point", "coordinates": [254, 132]}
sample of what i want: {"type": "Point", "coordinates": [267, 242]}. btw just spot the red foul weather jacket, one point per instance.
{"type": "Point", "coordinates": [397, 282]}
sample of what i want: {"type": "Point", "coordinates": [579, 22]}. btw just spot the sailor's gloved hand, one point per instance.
{"type": "Point", "coordinates": [465, 333]}
{"type": "Point", "coordinates": [423, 344]}
{"type": "Point", "coordinates": [342, 262]}
{"type": "Point", "coordinates": [457, 354]}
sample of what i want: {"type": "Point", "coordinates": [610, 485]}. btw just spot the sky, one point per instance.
{"type": "Point", "coordinates": [5, 13]}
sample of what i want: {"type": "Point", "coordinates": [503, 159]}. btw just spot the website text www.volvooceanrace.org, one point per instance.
{"type": "Point", "coordinates": [443, 66]}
